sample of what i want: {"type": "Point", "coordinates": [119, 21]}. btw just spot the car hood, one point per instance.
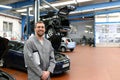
{"type": "Point", "coordinates": [60, 57]}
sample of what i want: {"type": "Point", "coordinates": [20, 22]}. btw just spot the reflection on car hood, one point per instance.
{"type": "Point", "coordinates": [5, 76]}
{"type": "Point", "coordinates": [60, 57]}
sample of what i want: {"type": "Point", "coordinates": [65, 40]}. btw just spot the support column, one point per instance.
{"type": "Point", "coordinates": [36, 10]}
{"type": "Point", "coordinates": [28, 22]}
{"type": "Point", "coordinates": [23, 27]}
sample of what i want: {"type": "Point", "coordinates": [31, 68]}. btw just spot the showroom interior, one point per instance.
{"type": "Point", "coordinates": [88, 44]}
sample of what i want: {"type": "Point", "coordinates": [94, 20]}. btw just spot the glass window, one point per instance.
{"type": "Point", "coordinates": [11, 45]}
{"type": "Point", "coordinates": [7, 27]}
{"type": "Point", "coordinates": [118, 30]}
{"type": "Point", "coordinates": [20, 48]}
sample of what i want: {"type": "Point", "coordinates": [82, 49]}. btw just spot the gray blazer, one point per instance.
{"type": "Point", "coordinates": [46, 55]}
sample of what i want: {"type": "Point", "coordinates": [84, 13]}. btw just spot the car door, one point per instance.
{"type": "Point", "coordinates": [19, 56]}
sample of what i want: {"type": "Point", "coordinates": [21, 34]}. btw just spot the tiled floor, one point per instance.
{"type": "Point", "coordinates": [87, 63]}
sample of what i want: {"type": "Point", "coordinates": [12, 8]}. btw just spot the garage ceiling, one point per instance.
{"type": "Point", "coordinates": [54, 1]}
{"type": "Point", "coordinates": [21, 3]}
{"type": "Point", "coordinates": [9, 1]}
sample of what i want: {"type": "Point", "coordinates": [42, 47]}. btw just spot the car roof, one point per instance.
{"type": "Point", "coordinates": [17, 41]}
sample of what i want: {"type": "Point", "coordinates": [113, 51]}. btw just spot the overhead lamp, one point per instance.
{"type": "Point", "coordinates": [24, 10]}
{"type": "Point", "coordinates": [4, 6]}
{"type": "Point", "coordinates": [26, 14]}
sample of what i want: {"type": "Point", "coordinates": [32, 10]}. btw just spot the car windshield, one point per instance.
{"type": "Point", "coordinates": [15, 46]}
{"type": "Point", "coordinates": [20, 48]}
{"type": "Point", "coordinates": [68, 40]}
{"type": "Point", "coordinates": [11, 45]}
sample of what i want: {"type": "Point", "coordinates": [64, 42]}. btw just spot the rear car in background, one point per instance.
{"type": "Point", "coordinates": [67, 44]}
{"type": "Point", "coordinates": [15, 58]}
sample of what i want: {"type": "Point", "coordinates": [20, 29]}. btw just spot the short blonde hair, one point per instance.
{"type": "Point", "coordinates": [39, 22]}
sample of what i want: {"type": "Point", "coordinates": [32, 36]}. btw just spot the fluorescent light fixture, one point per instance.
{"type": "Point", "coordinates": [86, 31]}
{"type": "Point", "coordinates": [24, 10]}
{"type": "Point", "coordinates": [4, 6]}
{"type": "Point", "coordinates": [82, 0]}
{"type": "Point", "coordinates": [88, 26]}
{"type": "Point", "coordinates": [26, 14]}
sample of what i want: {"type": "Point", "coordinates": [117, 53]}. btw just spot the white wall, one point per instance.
{"type": "Point", "coordinates": [16, 30]}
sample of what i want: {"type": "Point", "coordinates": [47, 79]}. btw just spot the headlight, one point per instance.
{"type": "Point", "coordinates": [67, 56]}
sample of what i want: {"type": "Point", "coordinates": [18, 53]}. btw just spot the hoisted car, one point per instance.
{"type": "Point", "coordinates": [56, 22]}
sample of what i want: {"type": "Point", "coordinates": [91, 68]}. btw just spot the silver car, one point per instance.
{"type": "Point", "coordinates": [67, 44]}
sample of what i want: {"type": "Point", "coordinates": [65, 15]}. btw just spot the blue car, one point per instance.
{"type": "Point", "coordinates": [15, 58]}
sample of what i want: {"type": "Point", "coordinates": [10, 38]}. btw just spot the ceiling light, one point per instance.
{"type": "Point", "coordinates": [26, 14]}
{"type": "Point", "coordinates": [4, 6]}
{"type": "Point", "coordinates": [82, 0]}
{"type": "Point", "coordinates": [88, 26]}
{"type": "Point", "coordinates": [24, 10]}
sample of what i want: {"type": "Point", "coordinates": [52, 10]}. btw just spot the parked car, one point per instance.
{"type": "Point", "coordinates": [67, 44]}
{"type": "Point", "coordinates": [5, 76]}
{"type": "Point", "coordinates": [15, 58]}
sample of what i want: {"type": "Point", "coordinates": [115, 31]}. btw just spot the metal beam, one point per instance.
{"type": "Point", "coordinates": [50, 5]}
{"type": "Point", "coordinates": [93, 14]}
{"type": "Point", "coordinates": [25, 3]}
{"type": "Point", "coordinates": [98, 6]}
{"type": "Point", "coordinates": [36, 10]}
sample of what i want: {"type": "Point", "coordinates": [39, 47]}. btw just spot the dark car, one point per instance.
{"type": "Point", "coordinates": [15, 58]}
{"type": "Point", "coordinates": [56, 22]}
{"type": "Point", "coordinates": [5, 76]}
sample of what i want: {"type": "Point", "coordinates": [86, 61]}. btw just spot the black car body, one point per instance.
{"type": "Point", "coordinates": [5, 76]}
{"type": "Point", "coordinates": [56, 22]}
{"type": "Point", "coordinates": [15, 58]}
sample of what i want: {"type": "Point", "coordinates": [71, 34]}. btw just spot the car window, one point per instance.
{"type": "Point", "coordinates": [62, 41]}
{"type": "Point", "coordinates": [18, 45]}
{"type": "Point", "coordinates": [11, 45]}
{"type": "Point", "coordinates": [68, 40]}
{"type": "Point", "coordinates": [20, 48]}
